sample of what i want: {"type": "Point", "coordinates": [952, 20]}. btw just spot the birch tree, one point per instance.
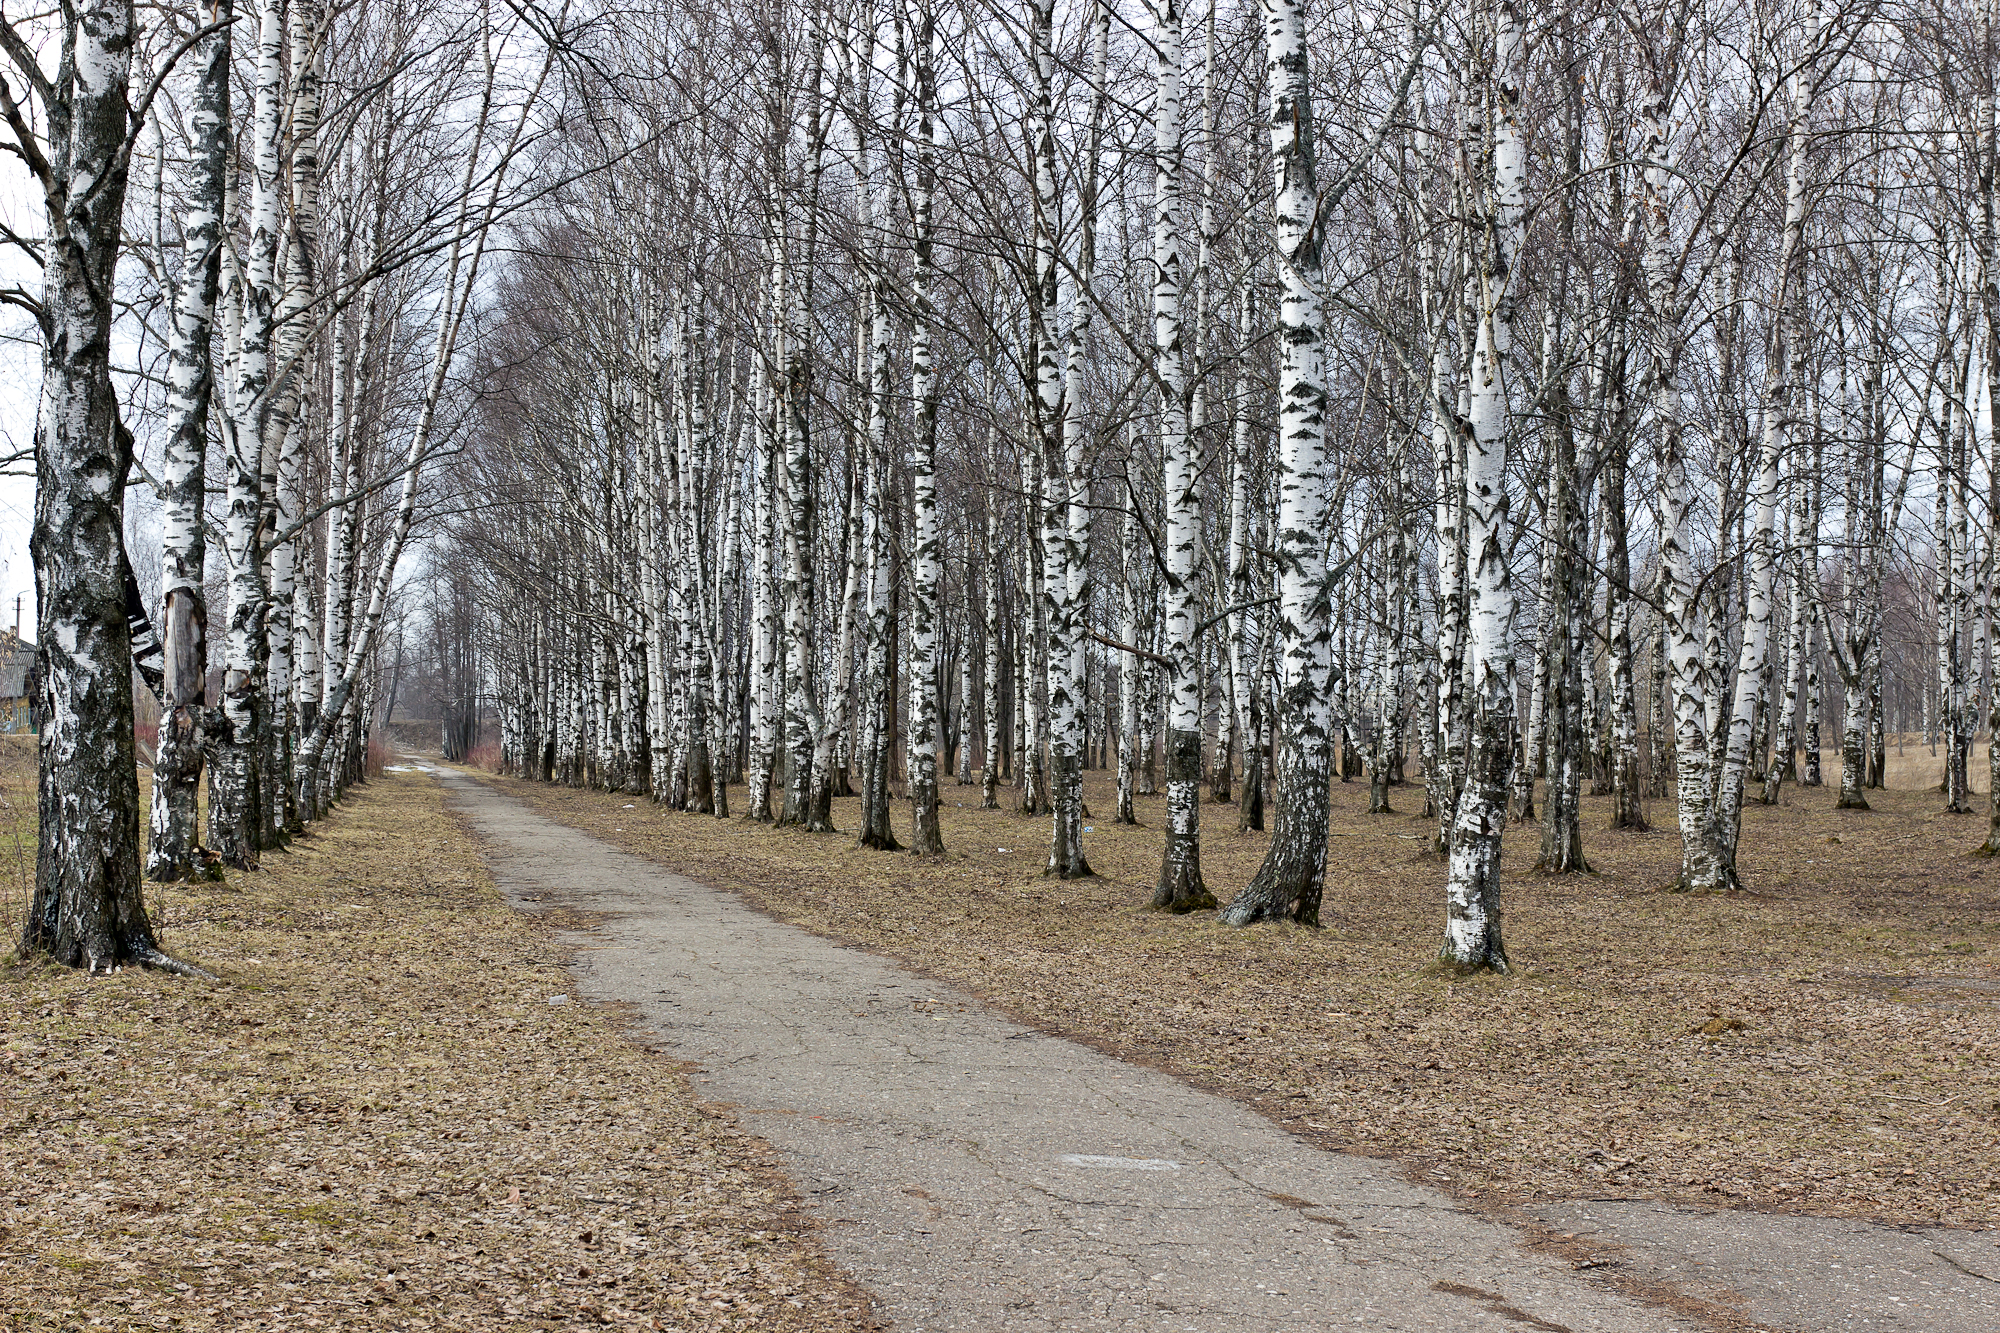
{"type": "Point", "coordinates": [177, 764]}
{"type": "Point", "coordinates": [1292, 879]}
{"type": "Point", "coordinates": [1180, 888]}
{"type": "Point", "coordinates": [87, 909]}
{"type": "Point", "coordinates": [1472, 891]}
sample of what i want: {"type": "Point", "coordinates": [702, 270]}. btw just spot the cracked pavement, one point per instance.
{"type": "Point", "coordinates": [975, 1174]}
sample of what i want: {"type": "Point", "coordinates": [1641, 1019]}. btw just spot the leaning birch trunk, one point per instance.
{"type": "Point", "coordinates": [88, 907]}
{"type": "Point", "coordinates": [172, 853]}
{"type": "Point", "coordinates": [927, 838]}
{"type": "Point", "coordinates": [1293, 875]}
{"type": "Point", "coordinates": [1445, 778]}
{"type": "Point", "coordinates": [1180, 887]}
{"type": "Point", "coordinates": [1787, 366]}
{"type": "Point", "coordinates": [1472, 889]}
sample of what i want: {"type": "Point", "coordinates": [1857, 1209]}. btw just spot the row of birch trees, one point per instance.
{"type": "Point", "coordinates": [855, 397]}
{"type": "Point", "coordinates": [266, 225]}
{"type": "Point", "coordinates": [1541, 400]}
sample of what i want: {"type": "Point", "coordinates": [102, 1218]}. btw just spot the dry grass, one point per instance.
{"type": "Point", "coordinates": [377, 1120]}
{"type": "Point", "coordinates": [1824, 1044]}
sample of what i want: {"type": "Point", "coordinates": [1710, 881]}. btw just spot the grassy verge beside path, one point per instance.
{"type": "Point", "coordinates": [377, 1120]}
{"type": "Point", "coordinates": [1824, 1045]}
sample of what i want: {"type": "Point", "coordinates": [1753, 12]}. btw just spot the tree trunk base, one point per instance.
{"type": "Point", "coordinates": [1264, 899]}
{"type": "Point", "coordinates": [1182, 899]}
{"type": "Point", "coordinates": [1725, 882]}
{"type": "Point", "coordinates": [1489, 962]}
{"type": "Point", "coordinates": [926, 838]}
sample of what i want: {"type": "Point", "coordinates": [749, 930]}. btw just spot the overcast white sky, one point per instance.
{"type": "Point", "coordinates": [20, 386]}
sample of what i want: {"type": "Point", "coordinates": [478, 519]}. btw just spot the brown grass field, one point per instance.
{"type": "Point", "coordinates": [1824, 1043]}
{"type": "Point", "coordinates": [377, 1120]}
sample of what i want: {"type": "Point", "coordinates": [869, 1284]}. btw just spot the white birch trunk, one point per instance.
{"type": "Point", "coordinates": [172, 852]}
{"type": "Point", "coordinates": [1292, 878]}
{"type": "Point", "coordinates": [927, 838]}
{"type": "Point", "coordinates": [1180, 888]}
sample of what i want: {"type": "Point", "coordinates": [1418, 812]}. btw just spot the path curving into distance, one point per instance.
{"type": "Point", "coordinates": [978, 1176]}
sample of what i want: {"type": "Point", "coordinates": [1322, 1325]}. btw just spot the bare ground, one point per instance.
{"type": "Point", "coordinates": [377, 1120]}
{"type": "Point", "coordinates": [1824, 1044]}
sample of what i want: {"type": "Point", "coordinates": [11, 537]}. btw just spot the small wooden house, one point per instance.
{"type": "Point", "coordinates": [17, 683]}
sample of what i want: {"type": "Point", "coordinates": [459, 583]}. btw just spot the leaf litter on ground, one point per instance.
{"type": "Point", "coordinates": [377, 1120]}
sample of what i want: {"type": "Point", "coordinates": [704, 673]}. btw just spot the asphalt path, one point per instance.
{"type": "Point", "coordinates": [976, 1174]}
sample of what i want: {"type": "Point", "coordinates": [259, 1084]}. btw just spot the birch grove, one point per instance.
{"type": "Point", "coordinates": [829, 413]}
